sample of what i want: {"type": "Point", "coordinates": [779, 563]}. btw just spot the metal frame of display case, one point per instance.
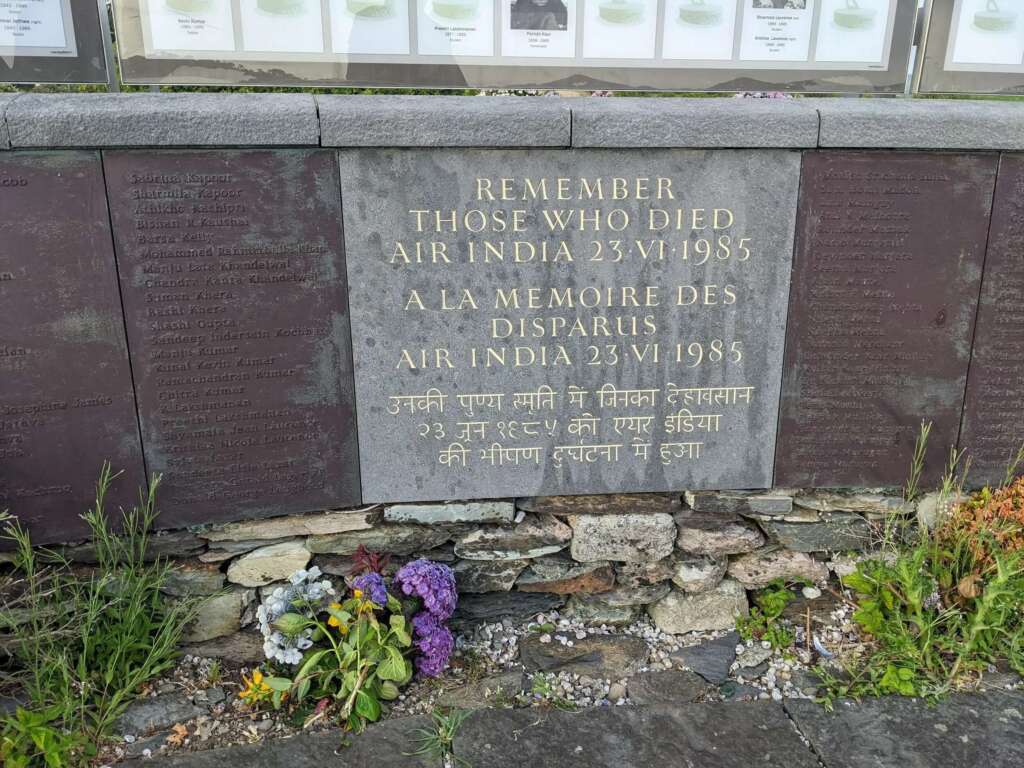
{"type": "Point", "coordinates": [930, 74]}
{"type": "Point", "coordinates": [93, 63]}
{"type": "Point", "coordinates": [445, 73]}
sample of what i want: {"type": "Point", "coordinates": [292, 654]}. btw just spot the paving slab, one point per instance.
{"type": "Point", "coordinates": [960, 732]}
{"type": "Point", "coordinates": [708, 736]}
{"type": "Point", "coordinates": [381, 746]}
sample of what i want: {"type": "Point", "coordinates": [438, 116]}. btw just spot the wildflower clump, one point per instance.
{"type": "Point", "coordinates": [939, 611]}
{"type": "Point", "coordinates": [355, 650]}
{"type": "Point", "coordinates": [988, 523]}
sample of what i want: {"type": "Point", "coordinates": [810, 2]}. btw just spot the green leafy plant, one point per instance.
{"type": "Point", "coordinates": [438, 742]}
{"type": "Point", "coordinates": [542, 686]}
{"type": "Point", "coordinates": [362, 665]}
{"type": "Point", "coordinates": [763, 621]}
{"type": "Point", "coordinates": [938, 611]}
{"type": "Point", "coordinates": [29, 739]}
{"type": "Point", "coordinates": [89, 639]}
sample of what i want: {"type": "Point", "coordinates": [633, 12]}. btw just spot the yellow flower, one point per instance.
{"type": "Point", "coordinates": [331, 621]}
{"type": "Point", "coordinates": [357, 593]}
{"type": "Point", "coordinates": [255, 689]}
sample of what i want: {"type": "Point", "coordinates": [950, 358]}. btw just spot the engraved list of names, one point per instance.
{"type": "Point", "coordinates": [885, 288]}
{"type": "Point", "coordinates": [233, 278]}
{"type": "Point", "coordinates": [554, 322]}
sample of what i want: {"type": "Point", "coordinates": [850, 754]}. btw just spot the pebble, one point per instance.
{"type": "Point", "coordinates": [811, 593]}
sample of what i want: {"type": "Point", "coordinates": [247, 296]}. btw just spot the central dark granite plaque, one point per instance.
{"type": "Point", "coordinates": [536, 323]}
{"type": "Point", "coordinates": [993, 428]}
{"type": "Point", "coordinates": [66, 402]}
{"type": "Point", "coordinates": [233, 276]}
{"type": "Point", "coordinates": [885, 288]}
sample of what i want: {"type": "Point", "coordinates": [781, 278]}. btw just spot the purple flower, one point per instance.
{"type": "Point", "coordinates": [433, 583]}
{"type": "Point", "coordinates": [435, 643]}
{"type": "Point", "coordinates": [372, 586]}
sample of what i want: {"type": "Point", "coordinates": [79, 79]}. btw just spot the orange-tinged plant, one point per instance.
{"type": "Point", "coordinates": [988, 522]}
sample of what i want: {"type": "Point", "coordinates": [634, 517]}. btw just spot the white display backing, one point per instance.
{"type": "Point", "coordinates": [469, 36]}
{"type": "Point", "coordinates": [37, 28]}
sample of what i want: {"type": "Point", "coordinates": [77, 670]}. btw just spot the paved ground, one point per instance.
{"type": "Point", "coordinates": [963, 732]}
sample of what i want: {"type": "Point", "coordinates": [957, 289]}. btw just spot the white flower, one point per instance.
{"type": "Point", "coordinates": [298, 577]}
{"type": "Point", "coordinates": [313, 573]}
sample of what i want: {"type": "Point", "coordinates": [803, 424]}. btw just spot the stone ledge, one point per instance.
{"type": "Point", "coordinates": [444, 121]}
{"type": "Point", "coordinates": [6, 99]}
{"type": "Point", "coordinates": [694, 123]}
{"type": "Point", "coordinates": [920, 124]}
{"type": "Point", "coordinates": [163, 120]}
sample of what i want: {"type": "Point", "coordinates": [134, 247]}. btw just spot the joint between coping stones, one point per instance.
{"type": "Point", "coordinates": [319, 126]}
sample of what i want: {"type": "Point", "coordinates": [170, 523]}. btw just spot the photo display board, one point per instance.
{"type": "Point", "coordinates": [794, 45]}
{"type": "Point", "coordinates": [51, 41]}
{"type": "Point", "coordinates": [973, 46]}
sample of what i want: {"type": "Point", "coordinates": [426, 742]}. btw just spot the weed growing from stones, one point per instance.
{"type": "Point", "coordinates": [763, 621]}
{"type": "Point", "coordinates": [85, 641]}
{"type": "Point", "coordinates": [438, 742]}
{"type": "Point", "coordinates": [940, 609]}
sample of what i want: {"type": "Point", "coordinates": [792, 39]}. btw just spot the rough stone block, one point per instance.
{"type": "Point", "coordinates": [269, 564]}
{"type": "Point", "coordinates": [700, 534]}
{"type": "Point", "coordinates": [470, 512]}
{"type": "Point", "coordinates": [396, 539]}
{"type": "Point", "coordinates": [315, 524]}
{"type": "Point", "coordinates": [629, 538]}
{"type": "Point", "coordinates": [496, 606]}
{"type": "Point", "coordinates": [920, 124]}
{"type": "Point", "coordinates": [699, 573]}
{"type": "Point", "coordinates": [443, 121]}
{"type": "Point", "coordinates": [219, 616]}
{"type": "Point", "coordinates": [562, 576]}
{"type": "Point", "coordinates": [678, 613]}
{"type": "Point", "coordinates": [186, 579]}
{"type": "Point", "coordinates": [693, 123]}
{"type": "Point", "coordinates": [534, 536]}
{"type": "Point", "coordinates": [163, 120]}
{"type": "Point", "coordinates": [835, 532]}
{"type": "Point", "coordinates": [601, 504]}
{"type": "Point", "coordinates": [757, 570]}
{"type": "Point", "coordinates": [477, 576]}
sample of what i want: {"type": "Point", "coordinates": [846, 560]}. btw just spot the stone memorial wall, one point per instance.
{"type": "Point", "coordinates": [549, 299]}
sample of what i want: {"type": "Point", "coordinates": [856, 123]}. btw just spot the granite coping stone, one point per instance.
{"type": "Point", "coordinates": [6, 99]}
{"type": "Point", "coordinates": [444, 121]}
{"type": "Point", "coordinates": [160, 120]}
{"type": "Point", "coordinates": [77, 120]}
{"type": "Point", "coordinates": [720, 123]}
{"type": "Point", "coordinates": [920, 124]}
